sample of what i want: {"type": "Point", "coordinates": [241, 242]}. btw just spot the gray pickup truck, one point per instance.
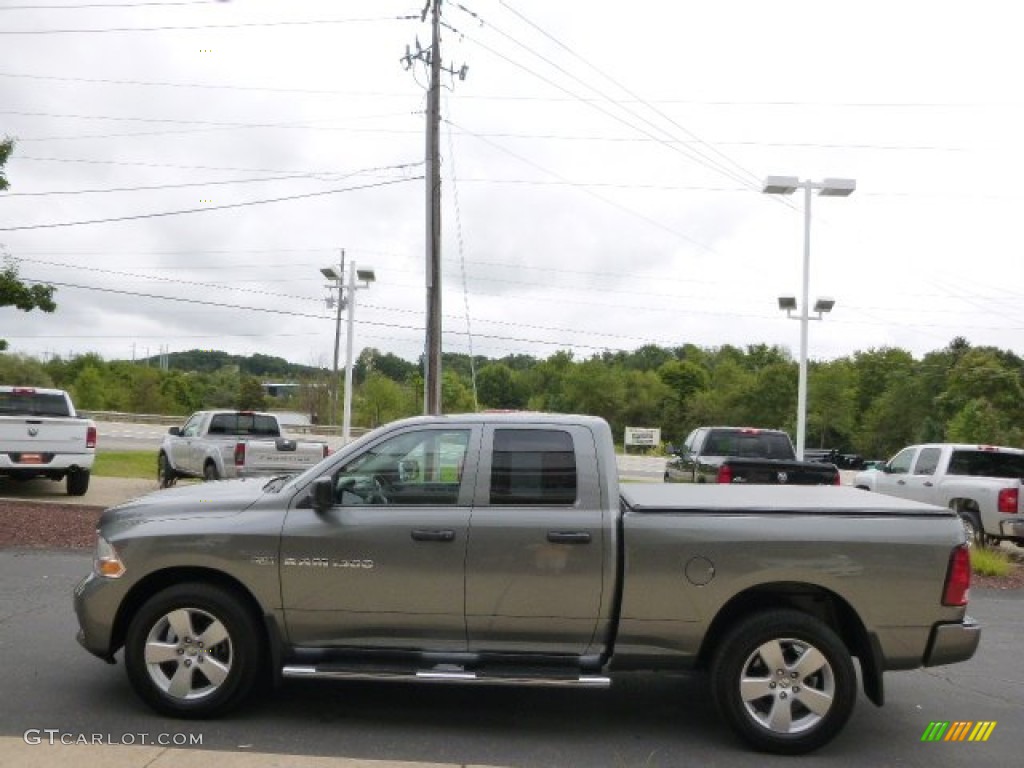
{"type": "Point", "coordinates": [500, 549]}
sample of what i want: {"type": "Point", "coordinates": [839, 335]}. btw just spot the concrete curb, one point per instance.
{"type": "Point", "coordinates": [78, 752]}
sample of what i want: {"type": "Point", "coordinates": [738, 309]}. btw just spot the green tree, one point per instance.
{"type": "Point", "coordinates": [977, 422]}
{"type": "Point", "coordinates": [89, 390]}
{"type": "Point", "coordinates": [381, 399]}
{"type": "Point", "coordinates": [6, 148]}
{"type": "Point", "coordinates": [251, 396]}
{"type": "Point", "coordinates": [23, 371]}
{"type": "Point", "coordinates": [831, 404]}
{"type": "Point", "coordinates": [498, 386]}
{"type": "Point", "coordinates": [21, 295]}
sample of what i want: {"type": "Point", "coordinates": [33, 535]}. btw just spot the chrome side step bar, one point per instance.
{"type": "Point", "coordinates": [445, 676]}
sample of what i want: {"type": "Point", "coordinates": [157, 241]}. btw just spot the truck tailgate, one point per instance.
{"type": "Point", "coordinates": [41, 435]}
{"type": "Point", "coordinates": [281, 455]}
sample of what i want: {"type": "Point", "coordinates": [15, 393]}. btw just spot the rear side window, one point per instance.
{"type": "Point", "coordinates": [30, 403]}
{"type": "Point", "coordinates": [533, 467]}
{"type": "Point", "coordinates": [987, 464]}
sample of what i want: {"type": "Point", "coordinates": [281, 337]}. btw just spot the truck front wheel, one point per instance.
{"type": "Point", "coordinates": [784, 682]}
{"type": "Point", "coordinates": [165, 474]}
{"type": "Point", "coordinates": [193, 650]}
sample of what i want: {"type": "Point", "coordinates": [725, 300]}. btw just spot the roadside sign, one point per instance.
{"type": "Point", "coordinates": [643, 436]}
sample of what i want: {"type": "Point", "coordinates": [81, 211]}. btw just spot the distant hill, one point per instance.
{"type": "Point", "coordinates": [208, 361]}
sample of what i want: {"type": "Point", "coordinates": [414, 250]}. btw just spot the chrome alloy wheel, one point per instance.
{"type": "Point", "coordinates": [188, 654]}
{"type": "Point", "coordinates": [787, 686]}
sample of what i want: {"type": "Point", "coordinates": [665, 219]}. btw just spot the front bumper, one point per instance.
{"type": "Point", "coordinates": [96, 609]}
{"type": "Point", "coordinates": [950, 643]}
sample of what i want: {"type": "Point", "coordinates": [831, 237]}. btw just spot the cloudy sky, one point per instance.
{"type": "Point", "coordinates": [602, 165]}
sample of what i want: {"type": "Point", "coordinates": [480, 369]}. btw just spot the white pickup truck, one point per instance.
{"type": "Point", "coordinates": [41, 435]}
{"type": "Point", "coordinates": [981, 483]}
{"type": "Point", "coordinates": [231, 444]}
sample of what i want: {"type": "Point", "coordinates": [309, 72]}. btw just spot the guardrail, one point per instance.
{"type": "Point", "coordinates": [326, 430]}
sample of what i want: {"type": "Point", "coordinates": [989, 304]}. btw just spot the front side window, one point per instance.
{"type": "Point", "coordinates": [191, 428]}
{"type": "Point", "coordinates": [900, 463]}
{"type": "Point", "coordinates": [414, 468]}
{"type": "Point", "coordinates": [534, 467]}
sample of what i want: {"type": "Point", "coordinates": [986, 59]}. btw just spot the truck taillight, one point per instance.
{"type": "Point", "coordinates": [239, 454]}
{"type": "Point", "coordinates": [327, 450]}
{"type": "Point", "coordinates": [1008, 499]}
{"type": "Point", "coordinates": [90, 437]}
{"type": "Point", "coordinates": [837, 480]}
{"type": "Point", "coordinates": [958, 577]}
{"type": "Point", "coordinates": [724, 474]}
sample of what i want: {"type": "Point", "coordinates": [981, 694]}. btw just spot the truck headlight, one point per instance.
{"type": "Point", "coordinates": [105, 562]}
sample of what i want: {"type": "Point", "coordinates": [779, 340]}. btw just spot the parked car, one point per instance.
{"type": "Point", "coordinates": [981, 483]}
{"type": "Point", "coordinates": [230, 444]}
{"type": "Point", "coordinates": [41, 435]}
{"type": "Point", "coordinates": [744, 455]}
{"type": "Point", "coordinates": [500, 549]}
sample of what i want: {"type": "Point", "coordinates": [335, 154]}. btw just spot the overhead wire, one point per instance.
{"type": "Point", "coordinates": [207, 209]}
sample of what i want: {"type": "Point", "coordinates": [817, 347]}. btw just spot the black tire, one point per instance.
{"type": "Point", "coordinates": [178, 673]}
{"type": "Point", "coordinates": [165, 475]}
{"type": "Point", "coordinates": [78, 482]}
{"type": "Point", "coordinates": [210, 471]}
{"type": "Point", "coordinates": [770, 708]}
{"type": "Point", "coordinates": [972, 528]}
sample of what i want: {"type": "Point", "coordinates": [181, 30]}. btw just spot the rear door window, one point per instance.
{"type": "Point", "coordinates": [533, 467]}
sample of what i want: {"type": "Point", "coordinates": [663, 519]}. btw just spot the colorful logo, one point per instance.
{"type": "Point", "coordinates": [958, 730]}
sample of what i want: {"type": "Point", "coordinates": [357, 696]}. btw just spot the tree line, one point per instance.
{"type": "Point", "coordinates": [871, 402]}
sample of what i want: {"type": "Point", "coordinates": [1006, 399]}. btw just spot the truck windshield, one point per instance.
{"type": "Point", "coordinates": [33, 404]}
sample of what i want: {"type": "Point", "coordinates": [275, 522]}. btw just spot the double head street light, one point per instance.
{"type": "Point", "coordinates": [787, 185]}
{"type": "Point", "coordinates": [365, 277]}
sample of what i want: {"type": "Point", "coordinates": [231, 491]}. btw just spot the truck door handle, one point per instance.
{"type": "Point", "coordinates": [569, 537]}
{"type": "Point", "coordinates": [901, 482]}
{"type": "Point", "coordinates": [928, 483]}
{"type": "Point", "coordinates": [419, 534]}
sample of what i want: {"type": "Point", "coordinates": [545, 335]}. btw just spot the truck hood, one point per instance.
{"type": "Point", "coordinates": [224, 497]}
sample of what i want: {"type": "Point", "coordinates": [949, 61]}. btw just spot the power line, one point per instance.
{"type": "Point", "coordinates": [166, 3]}
{"type": "Point", "coordinates": [193, 27]}
{"type": "Point", "coordinates": [207, 209]}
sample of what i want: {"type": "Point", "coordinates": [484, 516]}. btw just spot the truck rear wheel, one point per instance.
{"type": "Point", "coordinates": [784, 682]}
{"type": "Point", "coordinates": [210, 471]}
{"type": "Point", "coordinates": [972, 528]}
{"type": "Point", "coordinates": [78, 482]}
{"type": "Point", "coordinates": [193, 651]}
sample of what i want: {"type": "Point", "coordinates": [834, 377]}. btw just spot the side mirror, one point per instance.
{"type": "Point", "coordinates": [408, 470]}
{"type": "Point", "coordinates": [176, 431]}
{"type": "Point", "coordinates": [323, 494]}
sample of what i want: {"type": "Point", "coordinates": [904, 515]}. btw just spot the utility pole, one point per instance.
{"type": "Point", "coordinates": [431, 57]}
{"type": "Point", "coordinates": [432, 378]}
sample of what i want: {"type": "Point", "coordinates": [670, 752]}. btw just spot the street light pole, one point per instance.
{"type": "Point", "coordinates": [787, 185]}
{"type": "Point", "coordinates": [801, 389]}
{"type": "Point", "coordinates": [346, 429]}
{"type": "Point", "coordinates": [337, 278]}
{"type": "Point", "coordinates": [367, 276]}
